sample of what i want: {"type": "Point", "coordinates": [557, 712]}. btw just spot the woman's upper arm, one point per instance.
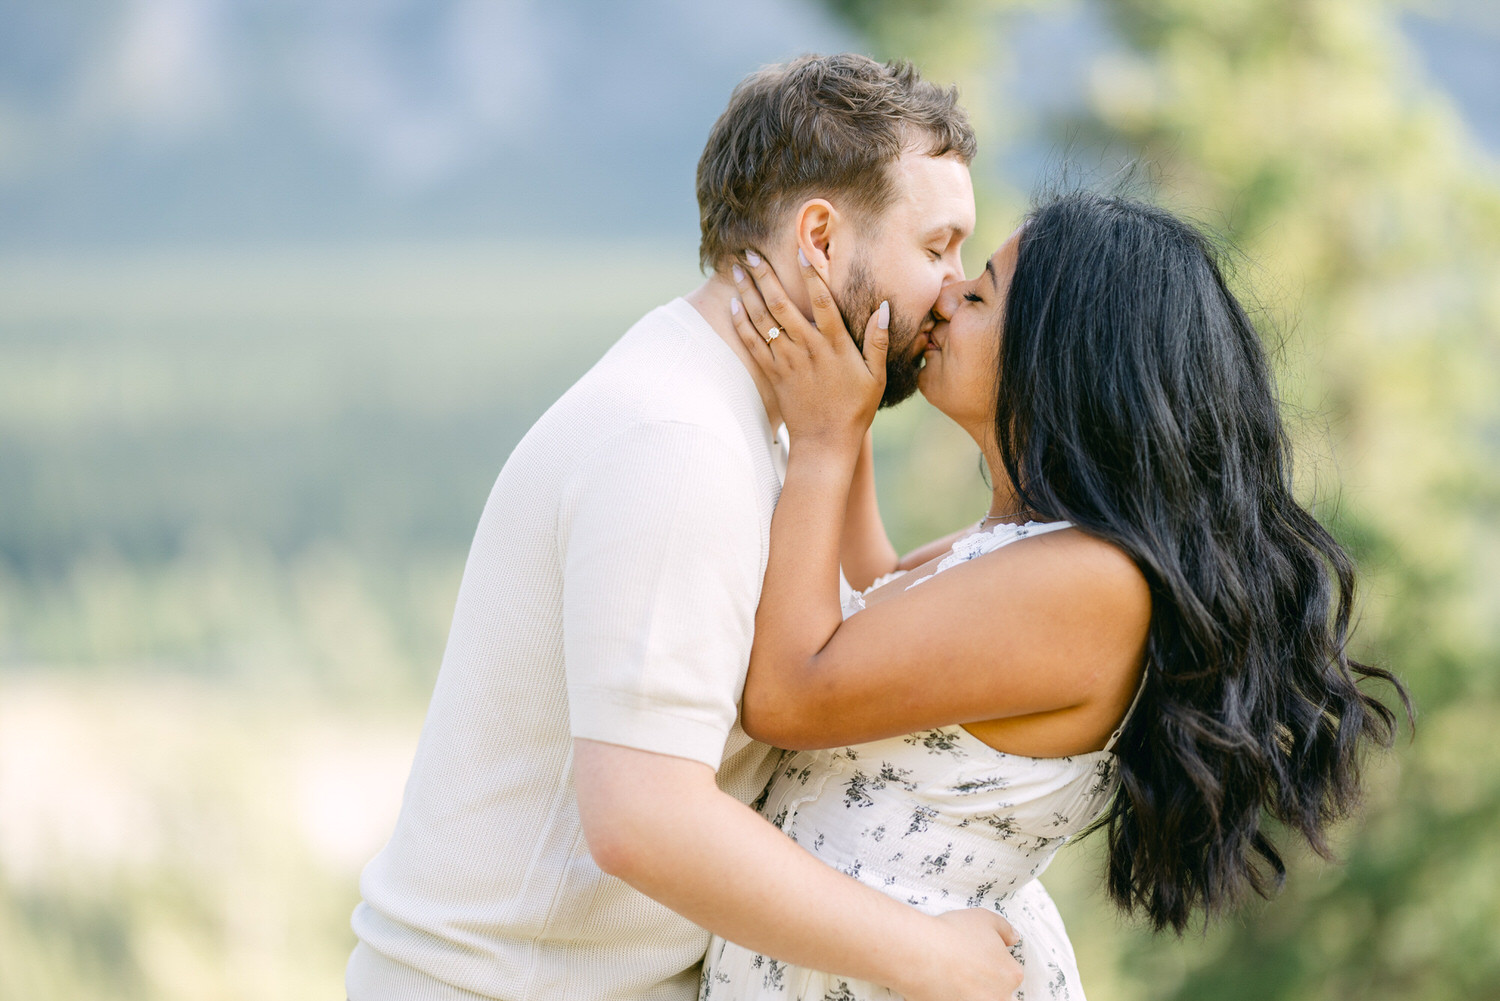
{"type": "Point", "coordinates": [1040, 625]}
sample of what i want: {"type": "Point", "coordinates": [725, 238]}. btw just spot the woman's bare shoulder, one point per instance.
{"type": "Point", "coordinates": [1074, 574]}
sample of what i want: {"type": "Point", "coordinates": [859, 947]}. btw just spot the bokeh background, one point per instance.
{"type": "Point", "coordinates": [283, 281]}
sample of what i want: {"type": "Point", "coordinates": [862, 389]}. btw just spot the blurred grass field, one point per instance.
{"type": "Point", "coordinates": [238, 491]}
{"type": "Point", "coordinates": [237, 495]}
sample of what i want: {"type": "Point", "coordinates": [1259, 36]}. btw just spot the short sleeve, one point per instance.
{"type": "Point", "coordinates": [662, 565]}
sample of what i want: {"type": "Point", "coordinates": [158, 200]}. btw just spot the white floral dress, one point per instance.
{"type": "Point", "coordinates": [939, 820]}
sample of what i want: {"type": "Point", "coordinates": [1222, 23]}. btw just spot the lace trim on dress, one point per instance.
{"type": "Point", "coordinates": [965, 549]}
{"type": "Point", "coordinates": [855, 602]}
{"type": "Point", "coordinates": [980, 543]}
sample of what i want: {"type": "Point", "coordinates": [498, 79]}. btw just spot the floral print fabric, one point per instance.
{"type": "Point", "coordinates": [938, 820]}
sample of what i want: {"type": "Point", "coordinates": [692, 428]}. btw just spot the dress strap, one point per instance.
{"type": "Point", "coordinates": [1139, 691]}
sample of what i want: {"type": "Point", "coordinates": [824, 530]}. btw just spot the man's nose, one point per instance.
{"type": "Point", "coordinates": [947, 300]}
{"type": "Point", "coordinates": [955, 267]}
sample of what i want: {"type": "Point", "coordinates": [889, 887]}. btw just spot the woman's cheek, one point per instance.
{"type": "Point", "coordinates": [931, 382]}
{"type": "Point", "coordinates": [972, 382]}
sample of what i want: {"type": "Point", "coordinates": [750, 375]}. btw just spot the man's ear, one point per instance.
{"type": "Point", "coordinates": [817, 223]}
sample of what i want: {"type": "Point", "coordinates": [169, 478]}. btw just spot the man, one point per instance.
{"type": "Point", "coordinates": [575, 816]}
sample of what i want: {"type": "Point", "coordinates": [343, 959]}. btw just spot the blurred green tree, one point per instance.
{"type": "Point", "coordinates": [1367, 221]}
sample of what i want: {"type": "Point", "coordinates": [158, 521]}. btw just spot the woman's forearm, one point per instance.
{"type": "Point", "coordinates": [799, 600]}
{"type": "Point", "coordinates": [865, 551]}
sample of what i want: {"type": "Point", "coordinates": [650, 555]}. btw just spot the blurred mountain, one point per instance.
{"type": "Point", "coordinates": [183, 122]}
{"type": "Point", "coordinates": [1459, 45]}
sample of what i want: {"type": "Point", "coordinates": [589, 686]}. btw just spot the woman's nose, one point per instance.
{"type": "Point", "coordinates": [947, 300]}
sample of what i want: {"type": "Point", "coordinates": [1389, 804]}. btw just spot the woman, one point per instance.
{"type": "Point", "coordinates": [1146, 632]}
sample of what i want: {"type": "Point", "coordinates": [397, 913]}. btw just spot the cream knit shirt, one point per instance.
{"type": "Point", "coordinates": [610, 594]}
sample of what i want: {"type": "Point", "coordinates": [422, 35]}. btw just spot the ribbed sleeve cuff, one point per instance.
{"type": "Point", "coordinates": [616, 718]}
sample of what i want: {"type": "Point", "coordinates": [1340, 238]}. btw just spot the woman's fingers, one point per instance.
{"type": "Point", "coordinates": [825, 311]}
{"type": "Point", "coordinates": [754, 341]}
{"type": "Point", "coordinates": [821, 391]}
{"type": "Point", "coordinates": [755, 308]}
{"type": "Point", "coordinates": [878, 342]}
{"type": "Point", "coordinates": [787, 317]}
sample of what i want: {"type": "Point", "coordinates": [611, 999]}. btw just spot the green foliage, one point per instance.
{"type": "Point", "coordinates": [1368, 224]}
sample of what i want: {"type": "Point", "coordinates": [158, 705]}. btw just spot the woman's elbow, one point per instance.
{"type": "Point", "coordinates": [781, 723]}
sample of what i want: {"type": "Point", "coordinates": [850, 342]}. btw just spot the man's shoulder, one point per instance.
{"type": "Point", "coordinates": [662, 370]}
{"type": "Point", "coordinates": [665, 410]}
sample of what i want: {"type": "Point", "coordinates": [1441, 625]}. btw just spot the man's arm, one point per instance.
{"type": "Point", "coordinates": [659, 532]}
{"type": "Point", "coordinates": [661, 824]}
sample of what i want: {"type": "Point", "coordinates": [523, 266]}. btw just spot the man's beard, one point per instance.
{"type": "Point", "coordinates": [857, 301]}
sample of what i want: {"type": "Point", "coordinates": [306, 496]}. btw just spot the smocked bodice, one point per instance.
{"type": "Point", "coordinates": [938, 819]}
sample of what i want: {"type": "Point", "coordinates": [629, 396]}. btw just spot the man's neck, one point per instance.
{"type": "Point", "coordinates": [711, 300]}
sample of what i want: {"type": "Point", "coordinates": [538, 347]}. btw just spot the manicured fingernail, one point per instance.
{"type": "Point", "coordinates": [801, 257]}
{"type": "Point", "coordinates": [753, 258]}
{"type": "Point", "coordinates": [734, 304]}
{"type": "Point", "coordinates": [739, 273]}
{"type": "Point", "coordinates": [883, 319]}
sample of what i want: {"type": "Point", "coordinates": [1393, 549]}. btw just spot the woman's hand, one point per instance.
{"type": "Point", "coordinates": [970, 959]}
{"type": "Point", "coordinates": [827, 389]}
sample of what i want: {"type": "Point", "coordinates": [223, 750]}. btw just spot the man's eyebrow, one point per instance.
{"type": "Point", "coordinates": [950, 230]}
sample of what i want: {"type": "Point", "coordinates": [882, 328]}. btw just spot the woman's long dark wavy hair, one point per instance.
{"type": "Point", "coordinates": [1135, 400]}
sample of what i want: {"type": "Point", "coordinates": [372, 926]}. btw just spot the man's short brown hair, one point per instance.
{"type": "Point", "coordinates": [819, 126]}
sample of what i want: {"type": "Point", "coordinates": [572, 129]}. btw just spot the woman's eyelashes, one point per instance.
{"type": "Point", "coordinates": [971, 297]}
